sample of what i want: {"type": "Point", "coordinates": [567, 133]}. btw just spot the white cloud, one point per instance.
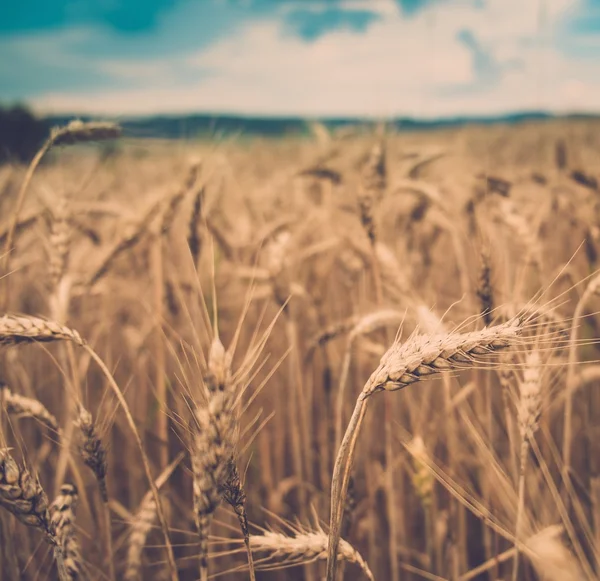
{"type": "Point", "coordinates": [399, 66]}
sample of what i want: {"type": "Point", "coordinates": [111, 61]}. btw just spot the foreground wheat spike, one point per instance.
{"type": "Point", "coordinates": [62, 517]}
{"type": "Point", "coordinates": [22, 495]}
{"type": "Point", "coordinates": [20, 405]}
{"type": "Point", "coordinates": [305, 546]}
{"type": "Point", "coordinates": [234, 495]}
{"type": "Point", "coordinates": [16, 329]}
{"type": "Point", "coordinates": [142, 524]}
{"type": "Point", "coordinates": [92, 450]}
{"type": "Point", "coordinates": [403, 364]}
{"type": "Point", "coordinates": [423, 355]}
{"type": "Point", "coordinates": [214, 444]}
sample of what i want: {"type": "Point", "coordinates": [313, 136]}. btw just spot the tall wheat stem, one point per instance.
{"type": "Point", "coordinates": [592, 288]}
{"type": "Point", "coordinates": [159, 510]}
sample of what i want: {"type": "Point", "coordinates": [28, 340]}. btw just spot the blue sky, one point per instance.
{"type": "Point", "coordinates": [425, 58]}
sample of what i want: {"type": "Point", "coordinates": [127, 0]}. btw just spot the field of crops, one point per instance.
{"type": "Point", "coordinates": [362, 354]}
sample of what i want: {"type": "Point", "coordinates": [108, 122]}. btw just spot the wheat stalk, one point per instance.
{"type": "Point", "coordinates": [592, 289]}
{"type": "Point", "coordinates": [60, 243]}
{"type": "Point", "coordinates": [528, 414]}
{"type": "Point", "coordinates": [403, 364]}
{"type": "Point", "coordinates": [23, 496]}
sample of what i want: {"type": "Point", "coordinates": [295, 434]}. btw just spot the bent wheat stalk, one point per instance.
{"type": "Point", "coordinates": [159, 510]}
{"type": "Point", "coordinates": [74, 132]}
{"type": "Point", "coordinates": [419, 357]}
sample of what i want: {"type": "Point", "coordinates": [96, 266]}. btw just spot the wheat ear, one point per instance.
{"type": "Point", "coordinates": [403, 364]}
{"type": "Point", "coordinates": [305, 546]}
{"type": "Point", "coordinates": [93, 454]}
{"type": "Point", "coordinates": [58, 265]}
{"type": "Point", "coordinates": [528, 414]}
{"type": "Point", "coordinates": [194, 239]}
{"type": "Point", "coordinates": [92, 450]}
{"type": "Point", "coordinates": [22, 406]}
{"type": "Point", "coordinates": [16, 329]}
{"type": "Point", "coordinates": [423, 482]}
{"type": "Point", "coordinates": [234, 495]}
{"type": "Point", "coordinates": [213, 445]}
{"type": "Point", "coordinates": [142, 524]}
{"type": "Point", "coordinates": [62, 517]}
{"type": "Point", "coordinates": [22, 495]}
{"type": "Point", "coordinates": [485, 289]}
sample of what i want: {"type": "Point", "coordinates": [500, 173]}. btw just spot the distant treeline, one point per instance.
{"type": "Point", "coordinates": [21, 134]}
{"type": "Point", "coordinates": [210, 126]}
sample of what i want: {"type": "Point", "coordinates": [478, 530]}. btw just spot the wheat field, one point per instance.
{"type": "Point", "coordinates": [357, 354]}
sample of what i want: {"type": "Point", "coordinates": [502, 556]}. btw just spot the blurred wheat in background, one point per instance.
{"type": "Point", "coordinates": [230, 303]}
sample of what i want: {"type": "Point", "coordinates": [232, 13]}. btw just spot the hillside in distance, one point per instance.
{"type": "Point", "coordinates": [205, 125]}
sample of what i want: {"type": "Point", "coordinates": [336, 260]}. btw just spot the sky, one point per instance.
{"type": "Point", "coordinates": [309, 58]}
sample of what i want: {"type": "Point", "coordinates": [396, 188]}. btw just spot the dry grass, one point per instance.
{"type": "Point", "coordinates": [455, 267]}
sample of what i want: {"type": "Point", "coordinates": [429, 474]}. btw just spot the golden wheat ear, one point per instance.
{"type": "Point", "coordinates": [62, 517]}
{"type": "Point", "coordinates": [16, 329]}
